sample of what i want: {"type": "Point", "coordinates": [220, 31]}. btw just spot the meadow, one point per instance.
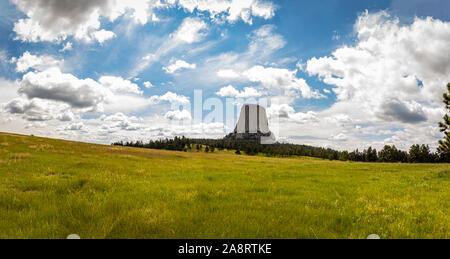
{"type": "Point", "coordinates": [53, 188]}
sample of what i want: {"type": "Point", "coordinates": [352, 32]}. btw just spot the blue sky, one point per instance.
{"type": "Point", "coordinates": [301, 55]}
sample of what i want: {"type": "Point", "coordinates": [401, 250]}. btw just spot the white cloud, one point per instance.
{"type": "Point", "coordinates": [191, 30]}
{"type": "Point", "coordinates": [120, 85]}
{"type": "Point", "coordinates": [147, 84]}
{"type": "Point", "coordinates": [300, 65]}
{"type": "Point", "coordinates": [120, 121]}
{"type": "Point", "coordinates": [178, 65]}
{"type": "Point", "coordinates": [66, 116]}
{"type": "Point", "coordinates": [52, 84]}
{"type": "Point", "coordinates": [108, 94]}
{"type": "Point", "coordinates": [48, 94]}
{"type": "Point", "coordinates": [339, 119]}
{"type": "Point", "coordinates": [178, 115]}
{"type": "Point", "coordinates": [103, 35]}
{"type": "Point", "coordinates": [340, 137]}
{"type": "Point", "coordinates": [229, 67]}
{"type": "Point", "coordinates": [54, 20]}
{"type": "Point", "coordinates": [388, 85]}
{"type": "Point", "coordinates": [286, 113]}
{"type": "Point", "coordinates": [233, 68]}
{"type": "Point", "coordinates": [75, 126]}
{"type": "Point", "coordinates": [281, 79]}
{"type": "Point", "coordinates": [35, 109]}
{"type": "Point", "coordinates": [303, 118]}
{"type": "Point", "coordinates": [8, 90]}
{"type": "Point", "coordinates": [280, 111]}
{"type": "Point", "coordinates": [396, 110]}
{"type": "Point", "coordinates": [140, 11]}
{"type": "Point", "coordinates": [394, 73]}
{"type": "Point", "coordinates": [264, 41]}
{"type": "Point", "coordinates": [40, 63]}
{"type": "Point", "coordinates": [228, 74]}
{"type": "Point", "coordinates": [171, 98]}
{"type": "Point", "coordinates": [230, 91]}
{"type": "Point", "coordinates": [68, 46]}
{"type": "Point", "coordinates": [231, 10]}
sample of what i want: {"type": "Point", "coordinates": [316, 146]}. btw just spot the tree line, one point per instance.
{"type": "Point", "coordinates": [416, 154]}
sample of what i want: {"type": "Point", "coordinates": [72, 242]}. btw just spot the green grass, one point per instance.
{"type": "Point", "coordinates": [52, 188]}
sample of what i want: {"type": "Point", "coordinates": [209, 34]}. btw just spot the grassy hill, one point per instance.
{"type": "Point", "coordinates": [53, 188]}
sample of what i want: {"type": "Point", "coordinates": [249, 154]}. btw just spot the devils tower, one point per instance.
{"type": "Point", "coordinates": [252, 125]}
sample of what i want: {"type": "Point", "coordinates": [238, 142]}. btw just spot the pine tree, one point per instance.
{"type": "Point", "coordinates": [444, 145]}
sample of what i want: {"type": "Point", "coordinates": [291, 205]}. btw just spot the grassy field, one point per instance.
{"type": "Point", "coordinates": [52, 188]}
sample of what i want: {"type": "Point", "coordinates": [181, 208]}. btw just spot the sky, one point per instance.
{"type": "Point", "coordinates": [334, 73]}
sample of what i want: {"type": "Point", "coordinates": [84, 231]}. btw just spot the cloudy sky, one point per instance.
{"type": "Point", "coordinates": [341, 74]}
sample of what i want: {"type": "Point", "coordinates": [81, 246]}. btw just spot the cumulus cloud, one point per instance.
{"type": "Point", "coordinates": [388, 85]}
{"type": "Point", "coordinates": [230, 91]}
{"type": "Point", "coordinates": [120, 121]}
{"type": "Point", "coordinates": [178, 115]}
{"type": "Point", "coordinates": [191, 30]}
{"type": "Point", "coordinates": [75, 126]}
{"type": "Point", "coordinates": [35, 109]}
{"type": "Point", "coordinates": [52, 84]}
{"type": "Point", "coordinates": [396, 110]}
{"type": "Point", "coordinates": [287, 113]}
{"type": "Point", "coordinates": [103, 35]}
{"type": "Point", "coordinates": [171, 98]}
{"type": "Point", "coordinates": [56, 20]}
{"type": "Point", "coordinates": [66, 116]}
{"type": "Point", "coordinates": [395, 72]}
{"type": "Point", "coordinates": [28, 61]}
{"type": "Point", "coordinates": [119, 85]}
{"type": "Point", "coordinates": [178, 65]}
{"type": "Point", "coordinates": [108, 94]}
{"type": "Point", "coordinates": [53, 95]}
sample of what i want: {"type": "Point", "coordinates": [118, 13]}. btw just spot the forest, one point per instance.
{"type": "Point", "coordinates": [389, 154]}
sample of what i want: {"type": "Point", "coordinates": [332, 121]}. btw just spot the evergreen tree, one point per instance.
{"type": "Point", "coordinates": [344, 156]}
{"type": "Point", "coordinates": [425, 154]}
{"type": "Point", "coordinates": [414, 154]}
{"type": "Point", "coordinates": [444, 145]}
